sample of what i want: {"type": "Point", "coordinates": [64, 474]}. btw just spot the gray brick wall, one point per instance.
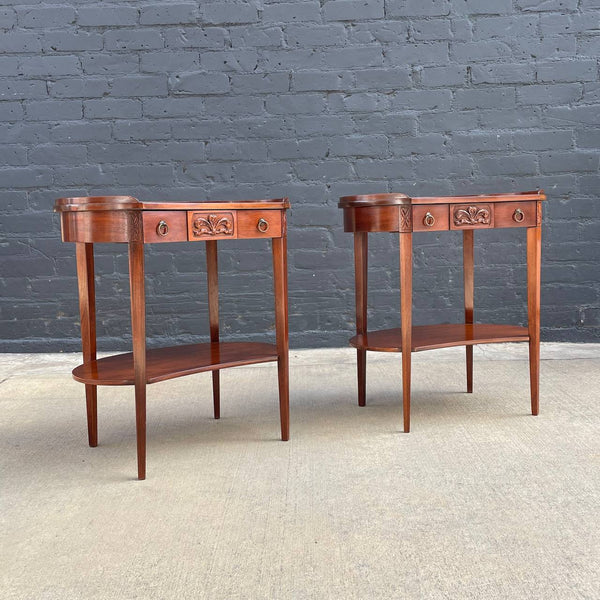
{"type": "Point", "coordinates": [310, 99]}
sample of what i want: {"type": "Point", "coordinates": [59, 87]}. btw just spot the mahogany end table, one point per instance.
{"type": "Point", "coordinates": [90, 220]}
{"type": "Point", "coordinates": [402, 214]}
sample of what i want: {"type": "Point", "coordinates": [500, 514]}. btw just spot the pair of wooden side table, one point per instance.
{"type": "Point", "coordinates": [90, 220]}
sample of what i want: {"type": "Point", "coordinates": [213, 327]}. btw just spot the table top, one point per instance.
{"type": "Point", "coordinates": [372, 200]}
{"type": "Point", "coordinates": [129, 203]}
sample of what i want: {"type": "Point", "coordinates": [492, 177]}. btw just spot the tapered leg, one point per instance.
{"type": "Point", "coordinates": [468, 286]}
{"type": "Point", "coordinates": [138, 330]}
{"type": "Point", "coordinates": [213, 315]}
{"type": "Point", "coordinates": [534, 268]}
{"type": "Point", "coordinates": [361, 268]}
{"type": "Point", "coordinates": [406, 320]}
{"type": "Point", "coordinates": [281, 326]}
{"type": "Point", "coordinates": [87, 311]}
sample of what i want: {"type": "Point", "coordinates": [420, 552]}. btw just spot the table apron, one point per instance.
{"type": "Point", "coordinates": [442, 217]}
{"type": "Point", "coordinates": [157, 226]}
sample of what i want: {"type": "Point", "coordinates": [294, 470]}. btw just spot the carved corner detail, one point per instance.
{"type": "Point", "coordinates": [135, 225]}
{"type": "Point", "coordinates": [406, 218]}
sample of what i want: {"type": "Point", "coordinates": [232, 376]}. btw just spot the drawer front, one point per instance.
{"type": "Point", "coordinates": [211, 225]}
{"type": "Point", "coordinates": [259, 223]}
{"type": "Point", "coordinates": [164, 226]}
{"type": "Point", "coordinates": [515, 214]}
{"type": "Point", "coordinates": [430, 217]}
{"type": "Point", "coordinates": [373, 218]}
{"type": "Point", "coordinates": [471, 216]}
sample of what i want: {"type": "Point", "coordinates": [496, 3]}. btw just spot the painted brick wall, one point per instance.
{"type": "Point", "coordinates": [310, 99]}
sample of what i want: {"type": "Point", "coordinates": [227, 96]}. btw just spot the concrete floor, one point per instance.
{"type": "Point", "coordinates": [480, 500]}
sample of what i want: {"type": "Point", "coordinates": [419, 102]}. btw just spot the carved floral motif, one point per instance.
{"type": "Point", "coordinates": [473, 215]}
{"type": "Point", "coordinates": [213, 225]}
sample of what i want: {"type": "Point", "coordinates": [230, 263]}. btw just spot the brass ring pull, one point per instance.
{"type": "Point", "coordinates": [162, 228]}
{"type": "Point", "coordinates": [518, 215]}
{"type": "Point", "coordinates": [262, 225]}
{"type": "Point", "coordinates": [429, 220]}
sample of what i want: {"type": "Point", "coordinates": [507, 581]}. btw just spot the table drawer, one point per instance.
{"type": "Point", "coordinates": [471, 216]}
{"type": "Point", "coordinates": [515, 214]}
{"type": "Point", "coordinates": [430, 217]}
{"type": "Point", "coordinates": [259, 223]}
{"type": "Point", "coordinates": [205, 225]}
{"type": "Point", "coordinates": [164, 226]}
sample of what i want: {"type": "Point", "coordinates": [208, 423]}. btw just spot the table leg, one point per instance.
{"type": "Point", "coordinates": [406, 321]}
{"type": "Point", "coordinates": [138, 330]}
{"type": "Point", "coordinates": [281, 326]}
{"type": "Point", "coordinates": [213, 315]}
{"type": "Point", "coordinates": [361, 268]}
{"type": "Point", "coordinates": [534, 267]}
{"type": "Point", "coordinates": [87, 311]}
{"type": "Point", "coordinates": [468, 288]}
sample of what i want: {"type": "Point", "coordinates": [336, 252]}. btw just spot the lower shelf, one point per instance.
{"type": "Point", "coordinates": [429, 337]}
{"type": "Point", "coordinates": [175, 361]}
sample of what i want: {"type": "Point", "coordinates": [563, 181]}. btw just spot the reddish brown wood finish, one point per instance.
{"type": "Point", "coordinates": [515, 214]}
{"type": "Point", "coordinates": [361, 270]}
{"type": "Point", "coordinates": [470, 199]}
{"type": "Point", "coordinates": [87, 311]}
{"type": "Point", "coordinates": [122, 218]}
{"type": "Point", "coordinates": [211, 224]}
{"type": "Point", "coordinates": [373, 200]}
{"type": "Point", "coordinates": [101, 226]}
{"type": "Point", "coordinates": [384, 218]}
{"type": "Point", "coordinates": [259, 223]}
{"type": "Point", "coordinates": [378, 200]}
{"type": "Point", "coordinates": [471, 216]}
{"type": "Point", "coordinates": [138, 332]}
{"type": "Point", "coordinates": [126, 219]}
{"type": "Point", "coordinates": [212, 273]}
{"type": "Point", "coordinates": [406, 320]}
{"type": "Point", "coordinates": [117, 203]}
{"type": "Point", "coordinates": [280, 276]}
{"type": "Point", "coordinates": [468, 283]}
{"type": "Point", "coordinates": [388, 212]}
{"type": "Point", "coordinates": [175, 361]}
{"type": "Point", "coordinates": [401, 213]}
{"type": "Point", "coordinates": [430, 337]}
{"type": "Point", "coordinates": [430, 217]}
{"type": "Point", "coordinates": [164, 226]}
{"type": "Point", "coordinates": [534, 268]}
{"type": "Point", "coordinates": [100, 203]}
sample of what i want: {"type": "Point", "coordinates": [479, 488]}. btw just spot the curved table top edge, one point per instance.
{"type": "Point", "coordinates": [368, 200]}
{"type": "Point", "coordinates": [113, 203]}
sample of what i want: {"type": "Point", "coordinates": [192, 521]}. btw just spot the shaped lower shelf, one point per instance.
{"type": "Point", "coordinates": [175, 361]}
{"type": "Point", "coordinates": [429, 337]}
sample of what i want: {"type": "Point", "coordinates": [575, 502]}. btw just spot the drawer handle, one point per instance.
{"type": "Point", "coordinates": [429, 220]}
{"type": "Point", "coordinates": [518, 215]}
{"type": "Point", "coordinates": [262, 225]}
{"type": "Point", "coordinates": [162, 228]}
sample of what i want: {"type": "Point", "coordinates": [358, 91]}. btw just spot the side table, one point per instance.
{"type": "Point", "coordinates": [402, 214]}
{"type": "Point", "coordinates": [90, 220]}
